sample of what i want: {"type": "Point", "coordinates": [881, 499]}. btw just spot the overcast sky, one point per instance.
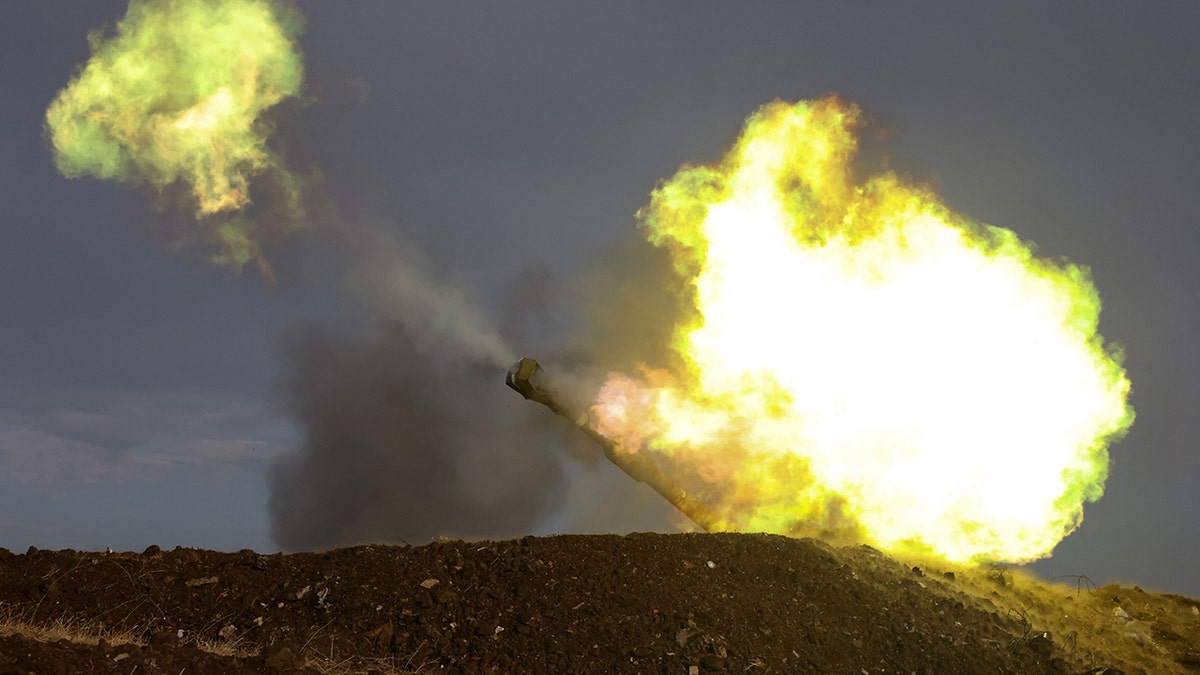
{"type": "Point", "coordinates": [148, 397]}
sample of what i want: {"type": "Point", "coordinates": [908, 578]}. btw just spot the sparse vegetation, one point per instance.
{"type": "Point", "coordinates": [83, 632]}
{"type": "Point", "coordinates": [76, 630]}
{"type": "Point", "coordinates": [635, 604]}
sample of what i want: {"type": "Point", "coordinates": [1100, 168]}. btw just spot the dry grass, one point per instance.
{"type": "Point", "coordinates": [1112, 625]}
{"type": "Point", "coordinates": [388, 665]}
{"type": "Point", "coordinates": [86, 632]}
{"type": "Point", "coordinates": [1090, 626]}
{"type": "Point", "coordinates": [71, 629]}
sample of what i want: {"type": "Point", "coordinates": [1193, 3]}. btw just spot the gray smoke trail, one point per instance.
{"type": "Point", "coordinates": [408, 432]}
{"type": "Point", "coordinates": [396, 284]}
{"type": "Point", "coordinates": [400, 447]}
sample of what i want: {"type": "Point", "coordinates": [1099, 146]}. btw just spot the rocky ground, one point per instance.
{"type": "Point", "coordinates": [643, 603]}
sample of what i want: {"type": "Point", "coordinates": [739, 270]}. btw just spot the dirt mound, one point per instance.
{"type": "Point", "coordinates": [643, 603]}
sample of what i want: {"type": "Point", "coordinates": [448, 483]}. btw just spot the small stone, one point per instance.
{"type": "Point", "coordinates": [282, 657]}
{"type": "Point", "coordinates": [429, 583]}
{"type": "Point", "coordinates": [1041, 645]}
{"type": "Point", "coordinates": [152, 549]}
{"type": "Point", "coordinates": [227, 632]}
{"type": "Point", "coordinates": [382, 636]}
{"type": "Point", "coordinates": [997, 577]}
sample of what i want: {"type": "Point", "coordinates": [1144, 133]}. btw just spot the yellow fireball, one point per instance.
{"type": "Point", "coordinates": [864, 364]}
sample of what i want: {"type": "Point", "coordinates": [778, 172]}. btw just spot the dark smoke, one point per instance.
{"type": "Point", "coordinates": [404, 446]}
{"type": "Point", "coordinates": [407, 430]}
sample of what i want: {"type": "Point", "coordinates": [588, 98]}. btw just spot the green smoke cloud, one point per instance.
{"type": "Point", "coordinates": [173, 100]}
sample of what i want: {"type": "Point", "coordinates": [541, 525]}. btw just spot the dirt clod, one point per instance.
{"type": "Point", "coordinates": [282, 657]}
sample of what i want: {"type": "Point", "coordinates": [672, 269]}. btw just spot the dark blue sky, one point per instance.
{"type": "Point", "coordinates": [139, 385]}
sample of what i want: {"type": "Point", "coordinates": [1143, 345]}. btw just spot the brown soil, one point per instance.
{"type": "Point", "coordinates": [643, 603]}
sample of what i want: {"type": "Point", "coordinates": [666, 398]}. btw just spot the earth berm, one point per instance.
{"type": "Point", "coordinates": [641, 603]}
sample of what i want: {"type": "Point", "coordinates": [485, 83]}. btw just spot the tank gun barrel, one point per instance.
{"type": "Point", "coordinates": [529, 379]}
